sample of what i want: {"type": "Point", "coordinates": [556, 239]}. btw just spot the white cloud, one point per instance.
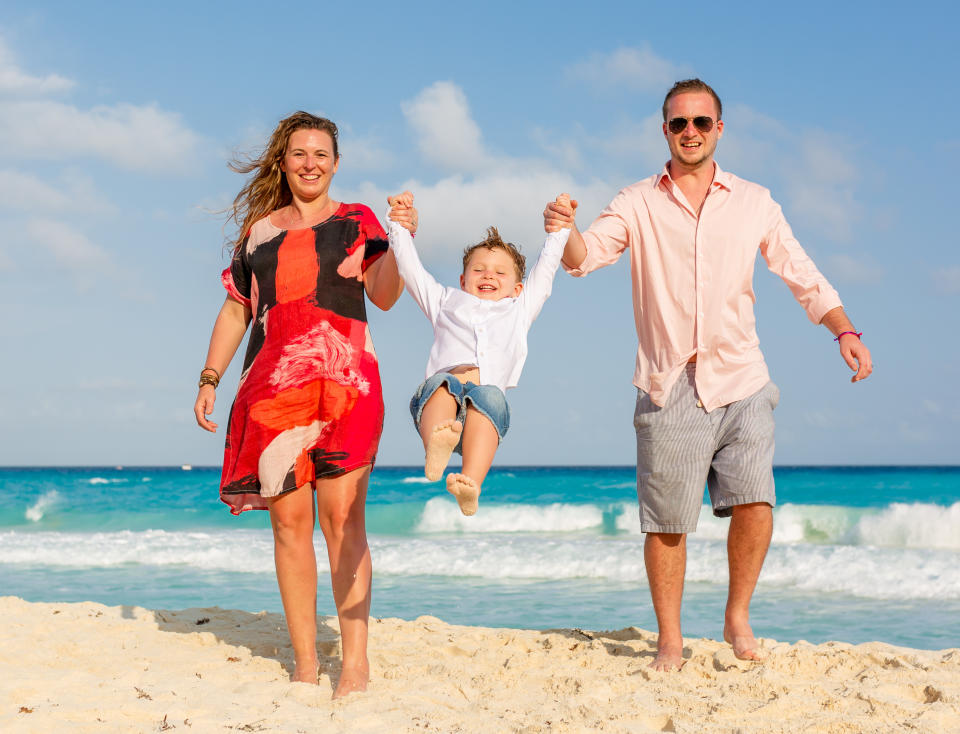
{"type": "Point", "coordinates": [13, 80]}
{"type": "Point", "coordinates": [850, 269]}
{"type": "Point", "coordinates": [136, 137]}
{"type": "Point", "coordinates": [446, 133]}
{"type": "Point", "coordinates": [456, 210]}
{"type": "Point", "coordinates": [947, 278]}
{"type": "Point", "coordinates": [70, 191]}
{"type": "Point", "coordinates": [363, 153]}
{"type": "Point", "coordinates": [817, 170]}
{"type": "Point", "coordinates": [70, 248]}
{"type": "Point", "coordinates": [630, 68]}
{"type": "Point", "coordinates": [72, 251]}
{"type": "Point", "coordinates": [639, 143]}
{"type": "Point", "coordinates": [142, 138]}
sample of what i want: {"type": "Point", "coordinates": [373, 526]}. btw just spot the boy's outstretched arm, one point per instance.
{"type": "Point", "coordinates": [560, 214]}
{"type": "Point", "coordinates": [403, 212]}
{"type": "Point", "coordinates": [401, 221]}
{"type": "Point", "coordinates": [539, 283]}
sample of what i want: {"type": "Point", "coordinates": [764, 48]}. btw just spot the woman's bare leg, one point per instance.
{"type": "Point", "coordinates": [291, 516]}
{"type": "Point", "coordinates": [341, 506]}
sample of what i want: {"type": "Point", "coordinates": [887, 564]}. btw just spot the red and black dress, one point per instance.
{"type": "Point", "coordinates": [309, 404]}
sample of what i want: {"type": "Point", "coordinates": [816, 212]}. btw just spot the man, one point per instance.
{"type": "Point", "coordinates": [705, 402]}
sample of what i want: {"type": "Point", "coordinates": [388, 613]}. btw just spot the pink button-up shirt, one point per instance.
{"type": "Point", "coordinates": [693, 280]}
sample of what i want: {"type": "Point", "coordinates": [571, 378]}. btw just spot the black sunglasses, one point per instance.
{"type": "Point", "coordinates": [678, 124]}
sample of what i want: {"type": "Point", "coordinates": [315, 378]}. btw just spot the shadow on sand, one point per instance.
{"type": "Point", "coordinates": [264, 634]}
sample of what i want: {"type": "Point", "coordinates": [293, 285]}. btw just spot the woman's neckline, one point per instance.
{"type": "Point", "coordinates": [334, 213]}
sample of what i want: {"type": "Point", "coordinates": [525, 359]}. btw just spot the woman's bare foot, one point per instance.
{"type": "Point", "coordinates": [352, 680]}
{"type": "Point", "coordinates": [443, 440]}
{"type": "Point", "coordinates": [745, 645]}
{"type": "Point", "coordinates": [466, 491]}
{"type": "Point", "coordinates": [307, 672]}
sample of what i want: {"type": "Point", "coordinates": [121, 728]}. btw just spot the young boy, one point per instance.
{"type": "Point", "coordinates": [479, 345]}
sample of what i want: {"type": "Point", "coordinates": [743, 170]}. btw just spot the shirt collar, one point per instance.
{"type": "Point", "coordinates": [720, 177]}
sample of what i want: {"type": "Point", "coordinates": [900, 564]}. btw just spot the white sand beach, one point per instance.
{"type": "Point", "coordinates": [90, 668]}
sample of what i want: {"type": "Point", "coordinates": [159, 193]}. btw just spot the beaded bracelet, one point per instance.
{"type": "Point", "coordinates": [857, 334]}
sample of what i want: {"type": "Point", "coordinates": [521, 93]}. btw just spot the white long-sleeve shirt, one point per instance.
{"type": "Point", "coordinates": [491, 335]}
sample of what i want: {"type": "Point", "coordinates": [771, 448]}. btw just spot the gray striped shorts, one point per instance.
{"type": "Point", "coordinates": [681, 446]}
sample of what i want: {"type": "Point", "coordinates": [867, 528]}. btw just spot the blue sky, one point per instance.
{"type": "Point", "coordinates": [116, 122]}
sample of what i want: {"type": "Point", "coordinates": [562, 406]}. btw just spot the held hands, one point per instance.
{"type": "Point", "coordinates": [204, 407]}
{"type": "Point", "coordinates": [403, 212]}
{"type": "Point", "coordinates": [856, 355]}
{"type": "Point", "coordinates": [560, 214]}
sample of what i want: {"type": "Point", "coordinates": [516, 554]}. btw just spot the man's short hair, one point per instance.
{"type": "Point", "coordinates": [493, 242]}
{"type": "Point", "coordinates": [691, 85]}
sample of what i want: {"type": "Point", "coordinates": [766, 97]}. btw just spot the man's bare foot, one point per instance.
{"type": "Point", "coordinates": [745, 645]}
{"type": "Point", "coordinates": [352, 680]}
{"type": "Point", "coordinates": [669, 657]}
{"type": "Point", "coordinates": [307, 672]}
{"type": "Point", "coordinates": [466, 491]}
{"type": "Point", "coordinates": [443, 440]}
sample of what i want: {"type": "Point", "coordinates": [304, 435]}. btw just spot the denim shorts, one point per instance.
{"type": "Point", "coordinates": [488, 399]}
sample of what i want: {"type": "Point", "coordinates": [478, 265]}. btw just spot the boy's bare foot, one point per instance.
{"type": "Point", "coordinates": [308, 672]}
{"type": "Point", "coordinates": [466, 491]}
{"type": "Point", "coordinates": [745, 645]}
{"type": "Point", "coordinates": [669, 657]}
{"type": "Point", "coordinates": [443, 440]}
{"type": "Point", "coordinates": [352, 680]}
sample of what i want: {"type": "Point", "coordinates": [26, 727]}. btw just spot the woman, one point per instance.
{"type": "Point", "coordinates": [308, 414]}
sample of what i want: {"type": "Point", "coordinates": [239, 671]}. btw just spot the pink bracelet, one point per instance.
{"type": "Point", "coordinates": [857, 334]}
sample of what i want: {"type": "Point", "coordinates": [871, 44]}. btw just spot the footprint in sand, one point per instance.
{"type": "Point", "coordinates": [440, 446]}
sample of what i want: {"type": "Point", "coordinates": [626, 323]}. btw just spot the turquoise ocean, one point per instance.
{"type": "Point", "coordinates": [858, 553]}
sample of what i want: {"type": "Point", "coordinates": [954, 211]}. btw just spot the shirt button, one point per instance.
{"type": "Point", "coordinates": [699, 404]}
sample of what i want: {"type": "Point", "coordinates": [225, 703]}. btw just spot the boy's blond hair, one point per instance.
{"type": "Point", "coordinates": [493, 241]}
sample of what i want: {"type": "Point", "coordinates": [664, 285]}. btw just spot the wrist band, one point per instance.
{"type": "Point", "coordinates": [206, 379]}
{"type": "Point", "coordinates": [857, 334]}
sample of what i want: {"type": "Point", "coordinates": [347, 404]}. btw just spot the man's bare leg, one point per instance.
{"type": "Point", "coordinates": [480, 441]}
{"type": "Point", "coordinates": [665, 555]}
{"type": "Point", "coordinates": [751, 528]}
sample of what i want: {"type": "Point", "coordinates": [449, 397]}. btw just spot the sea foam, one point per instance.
{"type": "Point", "coordinates": [867, 572]}
{"type": "Point", "coordinates": [38, 509]}
{"type": "Point", "coordinates": [441, 515]}
{"type": "Point", "coordinates": [899, 525]}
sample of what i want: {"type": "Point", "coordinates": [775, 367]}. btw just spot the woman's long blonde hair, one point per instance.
{"type": "Point", "coordinates": [267, 189]}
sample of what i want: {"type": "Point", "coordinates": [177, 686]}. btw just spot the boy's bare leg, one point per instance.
{"type": "Point", "coordinates": [480, 441]}
{"type": "Point", "coordinates": [440, 431]}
